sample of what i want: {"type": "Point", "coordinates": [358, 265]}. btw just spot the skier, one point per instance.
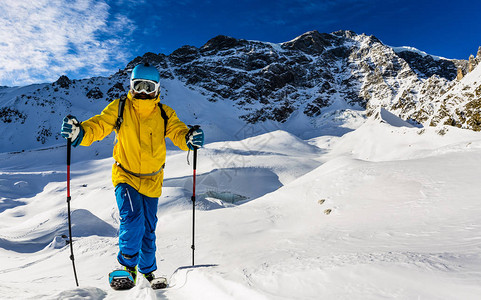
{"type": "Point", "coordinates": [138, 171]}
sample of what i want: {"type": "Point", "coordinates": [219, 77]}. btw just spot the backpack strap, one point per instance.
{"type": "Point", "coordinates": [120, 115]}
{"type": "Point", "coordinates": [165, 117]}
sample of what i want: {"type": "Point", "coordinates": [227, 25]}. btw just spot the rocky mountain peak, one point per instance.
{"type": "Point", "coordinates": [310, 42]}
{"type": "Point", "coordinates": [63, 81]}
{"type": "Point", "coordinates": [150, 58]}
{"type": "Point", "coordinates": [185, 54]}
{"type": "Point", "coordinates": [345, 33]}
{"type": "Point", "coordinates": [221, 43]}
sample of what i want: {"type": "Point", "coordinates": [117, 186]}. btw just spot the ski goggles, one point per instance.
{"type": "Point", "coordinates": [143, 85]}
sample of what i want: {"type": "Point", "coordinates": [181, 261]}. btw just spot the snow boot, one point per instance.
{"type": "Point", "coordinates": [156, 283]}
{"type": "Point", "coordinates": [123, 279]}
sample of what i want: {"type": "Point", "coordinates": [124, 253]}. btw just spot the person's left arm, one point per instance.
{"type": "Point", "coordinates": [176, 129]}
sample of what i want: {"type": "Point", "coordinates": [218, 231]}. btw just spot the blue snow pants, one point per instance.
{"type": "Point", "coordinates": [138, 218]}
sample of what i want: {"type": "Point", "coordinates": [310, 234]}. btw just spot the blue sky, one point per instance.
{"type": "Point", "coordinates": [43, 39]}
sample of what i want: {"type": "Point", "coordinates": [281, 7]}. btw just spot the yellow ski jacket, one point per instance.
{"type": "Point", "coordinates": [140, 146]}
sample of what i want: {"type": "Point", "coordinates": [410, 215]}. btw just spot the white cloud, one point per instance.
{"type": "Point", "coordinates": [43, 39]}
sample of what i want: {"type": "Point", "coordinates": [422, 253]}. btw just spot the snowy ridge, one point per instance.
{"type": "Point", "coordinates": [412, 49]}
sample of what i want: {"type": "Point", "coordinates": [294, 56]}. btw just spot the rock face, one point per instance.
{"type": "Point", "coordinates": [460, 74]}
{"type": "Point", "coordinates": [426, 66]}
{"type": "Point", "coordinates": [473, 62]}
{"type": "Point", "coordinates": [460, 106]}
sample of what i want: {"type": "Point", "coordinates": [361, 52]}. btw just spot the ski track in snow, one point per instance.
{"type": "Point", "coordinates": [403, 224]}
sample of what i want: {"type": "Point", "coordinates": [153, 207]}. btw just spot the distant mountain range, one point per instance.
{"type": "Point", "coordinates": [316, 75]}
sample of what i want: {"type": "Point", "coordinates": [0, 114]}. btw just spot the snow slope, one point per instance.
{"type": "Point", "coordinates": [403, 224]}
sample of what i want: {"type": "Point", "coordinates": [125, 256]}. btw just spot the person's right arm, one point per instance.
{"type": "Point", "coordinates": [99, 126]}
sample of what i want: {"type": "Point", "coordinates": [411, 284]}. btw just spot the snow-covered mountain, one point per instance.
{"type": "Point", "coordinates": [316, 82]}
{"type": "Point", "coordinates": [315, 75]}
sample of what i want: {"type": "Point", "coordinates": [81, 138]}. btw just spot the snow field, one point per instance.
{"type": "Point", "coordinates": [404, 221]}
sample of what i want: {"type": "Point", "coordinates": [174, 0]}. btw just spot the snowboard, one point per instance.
{"type": "Point", "coordinates": [121, 280]}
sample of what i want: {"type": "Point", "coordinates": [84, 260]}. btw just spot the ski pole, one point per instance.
{"type": "Point", "coordinates": [69, 147]}
{"type": "Point", "coordinates": [193, 205]}
{"type": "Point", "coordinates": [193, 196]}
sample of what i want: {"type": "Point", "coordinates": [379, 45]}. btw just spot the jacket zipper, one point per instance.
{"type": "Point", "coordinates": [151, 144]}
